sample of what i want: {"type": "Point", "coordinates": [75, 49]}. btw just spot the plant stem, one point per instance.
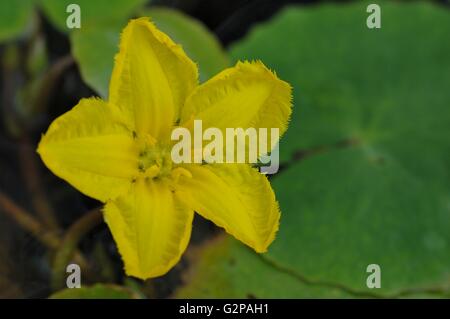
{"type": "Point", "coordinates": [32, 178]}
{"type": "Point", "coordinates": [69, 245]}
{"type": "Point", "coordinates": [49, 81]}
{"type": "Point", "coordinates": [26, 220]}
{"type": "Point", "coordinates": [27, 155]}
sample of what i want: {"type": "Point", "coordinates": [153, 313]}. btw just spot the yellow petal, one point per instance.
{"type": "Point", "coordinates": [90, 148]}
{"type": "Point", "coordinates": [235, 197]}
{"type": "Point", "coordinates": [246, 95]}
{"type": "Point", "coordinates": [151, 79]}
{"type": "Point", "coordinates": [150, 227]}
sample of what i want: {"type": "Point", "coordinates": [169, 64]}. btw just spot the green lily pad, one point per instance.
{"type": "Point", "coordinates": [346, 76]}
{"type": "Point", "coordinates": [223, 268]}
{"type": "Point", "coordinates": [93, 13]}
{"type": "Point", "coordinates": [14, 16]}
{"type": "Point", "coordinates": [343, 210]}
{"type": "Point", "coordinates": [96, 42]}
{"type": "Point", "coordinates": [97, 291]}
{"type": "Point", "coordinates": [372, 123]}
{"type": "Point", "coordinates": [95, 48]}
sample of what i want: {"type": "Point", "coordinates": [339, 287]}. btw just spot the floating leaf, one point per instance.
{"type": "Point", "coordinates": [372, 123]}
{"type": "Point", "coordinates": [224, 268]}
{"type": "Point", "coordinates": [96, 42]}
{"type": "Point", "coordinates": [94, 50]}
{"type": "Point", "coordinates": [93, 13]}
{"type": "Point", "coordinates": [14, 16]}
{"type": "Point", "coordinates": [97, 291]}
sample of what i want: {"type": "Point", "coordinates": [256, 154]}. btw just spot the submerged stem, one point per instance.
{"type": "Point", "coordinates": [32, 178]}
{"type": "Point", "coordinates": [69, 245]}
{"type": "Point", "coordinates": [28, 222]}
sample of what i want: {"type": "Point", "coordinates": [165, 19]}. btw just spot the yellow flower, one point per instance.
{"type": "Point", "coordinates": [118, 151]}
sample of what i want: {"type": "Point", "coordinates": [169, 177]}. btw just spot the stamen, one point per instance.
{"type": "Point", "coordinates": [152, 171]}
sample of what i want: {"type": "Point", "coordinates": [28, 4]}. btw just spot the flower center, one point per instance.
{"type": "Point", "coordinates": [154, 161]}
